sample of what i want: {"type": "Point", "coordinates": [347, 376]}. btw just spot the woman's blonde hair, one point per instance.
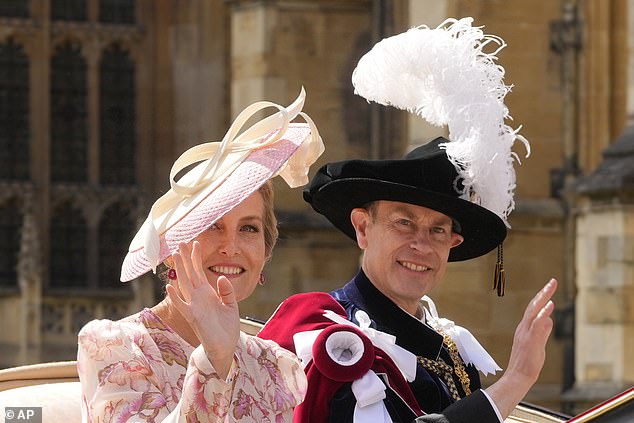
{"type": "Point", "coordinates": [269, 221]}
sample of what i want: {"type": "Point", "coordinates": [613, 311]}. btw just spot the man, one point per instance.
{"type": "Point", "coordinates": [445, 201]}
{"type": "Point", "coordinates": [409, 220]}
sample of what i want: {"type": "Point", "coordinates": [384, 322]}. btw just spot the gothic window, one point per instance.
{"type": "Point", "coordinates": [68, 10]}
{"type": "Point", "coordinates": [68, 248]}
{"type": "Point", "coordinates": [115, 232]}
{"type": "Point", "coordinates": [14, 112]}
{"type": "Point", "coordinates": [68, 116]}
{"type": "Point", "coordinates": [117, 118]}
{"type": "Point", "coordinates": [10, 225]}
{"type": "Point", "coordinates": [14, 8]}
{"type": "Point", "coordinates": [117, 11]}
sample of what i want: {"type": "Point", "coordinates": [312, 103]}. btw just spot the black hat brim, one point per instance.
{"type": "Point", "coordinates": [481, 229]}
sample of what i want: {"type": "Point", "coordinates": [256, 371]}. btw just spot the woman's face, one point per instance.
{"type": "Point", "coordinates": [234, 246]}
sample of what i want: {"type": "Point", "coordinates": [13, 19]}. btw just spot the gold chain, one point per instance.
{"type": "Point", "coordinates": [442, 370]}
{"type": "Point", "coordinates": [458, 367]}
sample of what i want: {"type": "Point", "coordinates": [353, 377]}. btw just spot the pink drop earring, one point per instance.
{"type": "Point", "coordinates": [171, 274]}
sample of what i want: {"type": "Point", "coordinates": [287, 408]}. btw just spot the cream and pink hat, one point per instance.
{"type": "Point", "coordinates": [226, 173]}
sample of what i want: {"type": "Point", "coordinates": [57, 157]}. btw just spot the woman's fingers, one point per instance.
{"type": "Point", "coordinates": [197, 265]}
{"type": "Point", "coordinates": [184, 283]}
{"type": "Point", "coordinates": [176, 299]}
{"type": "Point", "coordinates": [186, 256]}
{"type": "Point", "coordinates": [191, 278]}
{"type": "Point", "coordinates": [225, 291]}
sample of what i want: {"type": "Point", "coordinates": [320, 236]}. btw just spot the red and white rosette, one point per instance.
{"type": "Point", "coordinates": [345, 352]}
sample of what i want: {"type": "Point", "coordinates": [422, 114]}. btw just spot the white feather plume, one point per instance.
{"type": "Point", "coordinates": [444, 76]}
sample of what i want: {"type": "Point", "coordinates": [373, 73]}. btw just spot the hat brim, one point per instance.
{"type": "Point", "coordinates": [481, 229]}
{"type": "Point", "coordinates": [210, 205]}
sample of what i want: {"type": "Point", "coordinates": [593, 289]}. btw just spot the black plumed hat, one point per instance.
{"type": "Point", "coordinates": [424, 177]}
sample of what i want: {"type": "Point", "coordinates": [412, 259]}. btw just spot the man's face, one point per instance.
{"type": "Point", "coordinates": [406, 248]}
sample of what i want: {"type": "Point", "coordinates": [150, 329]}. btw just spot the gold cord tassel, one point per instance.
{"type": "Point", "coordinates": [498, 278]}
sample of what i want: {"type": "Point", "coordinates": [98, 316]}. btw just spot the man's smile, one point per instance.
{"type": "Point", "coordinates": [413, 266]}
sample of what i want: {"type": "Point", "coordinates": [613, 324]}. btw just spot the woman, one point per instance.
{"type": "Point", "coordinates": [185, 359]}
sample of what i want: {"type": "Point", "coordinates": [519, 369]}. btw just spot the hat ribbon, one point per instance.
{"type": "Point", "coordinates": [471, 351]}
{"type": "Point", "coordinates": [262, 134]}
{"type": "Point", "coordinates": [220, 159]}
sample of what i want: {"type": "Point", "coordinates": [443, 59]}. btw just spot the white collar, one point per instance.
{"type": "Point", "coordinates": [468, 346]}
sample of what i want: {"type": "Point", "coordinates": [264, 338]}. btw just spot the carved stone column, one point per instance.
{"type": "Point", "coordinates": [603, 212]}
{"type": "Point", "coordinates": [605, 277]}
{"type": "Point", "coordinates": [278, 46]}
{"type": "Point", "coordinates": [30, 283]}
{"type": "Point", "coordinates": [197, 60]}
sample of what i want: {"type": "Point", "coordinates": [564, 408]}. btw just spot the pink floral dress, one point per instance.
{"type": "Point", "coordinates": [139, 370]}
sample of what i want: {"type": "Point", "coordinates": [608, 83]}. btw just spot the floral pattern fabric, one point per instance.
{"type": "Point", "coordinates": [139, 370]}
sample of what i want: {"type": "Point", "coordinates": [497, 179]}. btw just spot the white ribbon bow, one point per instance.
{"type": "Point", "coordinates": [369, 391]}
{"type": "Point", "coordinates": [468, 346]}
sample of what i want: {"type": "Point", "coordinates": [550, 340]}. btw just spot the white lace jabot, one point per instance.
{"type": "Point", "coordinates": [469, 348]}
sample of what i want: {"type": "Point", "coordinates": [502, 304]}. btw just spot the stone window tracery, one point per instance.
{"type": "Point", "coordinates": [117, 117]}
{"type": "Point", "coordinates": [117, 11]}
{"type": "Point", "coordinates": [14, 112]}
{"type": "Point", "coordinates": [115, 232]}
{"type": "Point", "coordinates": [15, 9]}
{"type": "Point", "coordinates": [69, 126]}
{"type": "Point", "coordinates": [68, 248]}
{"type": "Point", "coordinates": [68, 10]}
{"type": "Point", "coordinates": [10, 229]}
{"type": "Point", "coordinates": [72, 117]}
